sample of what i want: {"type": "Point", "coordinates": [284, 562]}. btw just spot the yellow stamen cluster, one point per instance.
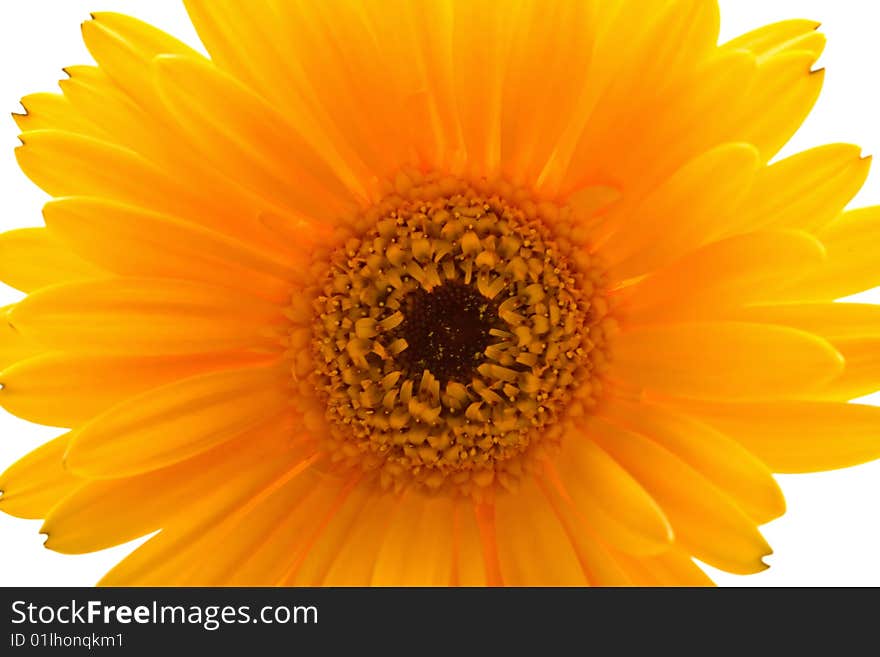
{"type": "Point", "coordinates": [453, 334]}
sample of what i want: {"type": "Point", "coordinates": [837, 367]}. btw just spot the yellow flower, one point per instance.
{"type": "Point", "coordinates": [435, 292]}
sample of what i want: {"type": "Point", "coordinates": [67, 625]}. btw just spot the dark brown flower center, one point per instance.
{"type": "Point", "coordinates": [447, 331]}
{"type": "Point", "coordinates": [454, 329]}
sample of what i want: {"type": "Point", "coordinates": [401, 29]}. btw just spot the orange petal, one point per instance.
{"type": "Point", "coordinates": [730, 360]}
{"type": "Point", "coordinates": [683, 213]}
{"type": "Point", "coordinates": [352, 565]}
{"type": "Point", "coordinates": [66, 390]}
{"type": "Point", "coordinates": [705, 521]}
{"type": "Point", "coordinates": [52, 111]}
{"type": "Point", "coordinates": [31, 258]}
{"type": "Point", "coordinates": [103, 513]}
{"type": "Point", "coordinates": [829, 319]}
{"type": "Point", "coordinates": [417, 548]}
{"type": "Point", "coordinates": [725, 274]}
{"type": "Point", "coordinates": [861, 372]}
{"type": "Point", "coordinates": [851, 262]}
{"type": "Point", "coordinates": [720, 459]}
{"type": "Point", "coordinates": [804, 191]}
{"type": "Point", "coordinates": [609, 499]}
{"type": "Point", "coordinates": [796, 436]}
{"type": "Point", "coordinates": [784, 92]}
{"type": "Point", "coordinates": [533, 548]}
{"type": "Point", "coordinates": [13, 345]}
{"type": "Point", "coordinates": [674, 568]}
{"type": "Point", "coordinates": [145, 315]}
{"type": "Point", "coordinates": [170, 557]}
{"type": "Point", "coordinates": [783, 36]}
{"type": "Point", "coordinates": [272, 534]}
{"type": "Point", "coordinates": [468, 570]}
{"type": "Point", "coordinates": [600, 565]}
{"type": "Point", "coordinates": [329, 542]}
{"type": "Point", "coordinates": [123, 47]}
{"type": "Point", "coordinates": [37, 481]}
{"type": "Point", "coordinates": [176, 421]}
{"type": "Point", "coordinates": [248, 140]}
{"type": "Point", "coordinates": [132, 241]}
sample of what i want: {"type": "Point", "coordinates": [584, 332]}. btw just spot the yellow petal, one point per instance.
{"type": "Point", "coordinates": [342, 492]}
{"type": "Point", "coordinates": [13, 345]}
{"type": "Point", "coordinates": [468, 567]}
{"type": "Point", "coordinates": [232, 35]}
{"type": "Point", "coordinates": [668, 45]}
{"type": "Point", "coordinates": [851, 262]}
{"type": "Point", "coordinates": [804, 191]}
{"type": "Point", "coordinates": [673, 568]}
{"type": "Point", "coordinates": [609, 499]}
{"type": "Point", "coordinates": [533, 548]}
{"type": "Point", "coordinates": [52, 111]}
{"type": "Point", "coordinates": [705, 521]}
{"type": "Point", "coordinates": [123, 47]}
{"type": "Point", "coordinates": [417, 549]}
{"type": "Point", "coordinates": [155, 138]}
{"type": "Point", "coordinates": [66, 390]}
{"type": "Point", "coordinates": [677, 568]}
{"type": "Point", "coordinates": [140, 36]}
{"type": "Point", "coordinates": [352, 565]}
{"type": "Point", "coordinates": [248, 140]}
{"type": "Point", "coordinates": [683, 213]}
{"type": "Point", "coordinates": [168, 558]}
{"type": "Point", "coordinates": [861, 371]}
{"type": "Point", "coordinates": [796, 436]}
{"type": "Point", "coordinates": [103, 513]}
{"type": "Point", "coordinates": [140, 568]}
{"type": "Point", "coordinates": [724, 274]}
{"type": "Point", "coordinates": [686, 31]}
{"type": "Point", "coordinates": [110, 114]}
{"type": "Point", "coordinates": [135, 242]}
{"type": "Point", "coordinates": [176, 421]}
{"type": "Point", "coordinates": [478, 75]}
{"type": "Point", "coordinates": [784, 92]}
{"type": "Point", "coordinates": [721, 460]}
{"type": "Point", "coordinates": [600, 566]}
{"type": "Point", "coordinates": [144, 315]}
{"type": "Point", "coordinates": [38, 481]}
{"type": "Point", "coordinates": [66, 164]}
{"type": "Point", "coordinates": [784, 36]}
{"type": "Point", "coordinates": [535, 147]}
{"type": "Point", "coordinates": [31, 258]}
{"type": "Point", "coordinates": [312, 81]}
{"type": "Point", "coordinates": [484, 512]}
{"type": "Point", "coordinates": [680, 125]}
{"type": "Point", "coordinates": [421, 98]}
{"type": "Point", "coordinates": [829, 319]}
{"type": "Point", "coordinates": [320, 556]}
{"type": "Point", "coordinates": [731, 360]}
{"type": "Point", "coordinates": [272, 536]}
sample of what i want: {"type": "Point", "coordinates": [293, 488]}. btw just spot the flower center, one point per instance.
{"type": "Point", "coordinates": [446, 331]}
{"type": "Point", "coordinates": [455, 332]}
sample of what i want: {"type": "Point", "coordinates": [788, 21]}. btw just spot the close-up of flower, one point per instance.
{"type": "Point", "coordinates": [435, 293]}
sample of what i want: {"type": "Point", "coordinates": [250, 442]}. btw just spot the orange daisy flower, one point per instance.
{"type": "Point", "coordinates": [434, 293]}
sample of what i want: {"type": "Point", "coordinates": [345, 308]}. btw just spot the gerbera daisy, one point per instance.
{"type": "Point", "coordinates": [434, 292]}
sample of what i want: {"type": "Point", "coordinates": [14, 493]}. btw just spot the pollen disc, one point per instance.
{"type": "Point", "coordinates": [452, 335]}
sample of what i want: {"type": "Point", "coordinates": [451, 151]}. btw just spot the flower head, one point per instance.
{"type": "Point", "coordinates": [431, 293]}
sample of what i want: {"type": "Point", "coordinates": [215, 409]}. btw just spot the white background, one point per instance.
{"type": "Point", "coordinates": [831, 533]}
